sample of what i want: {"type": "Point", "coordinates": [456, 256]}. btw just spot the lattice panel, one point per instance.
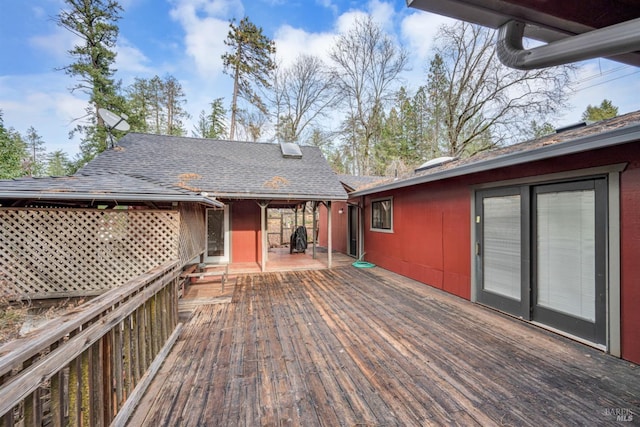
{"type": "Point", "coordinates": [193, 231]}
{"type": "Point", "coordinates": [56, 252]}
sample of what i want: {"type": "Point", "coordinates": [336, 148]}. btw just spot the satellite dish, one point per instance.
{"type": "Point", "coordinates": [113, 121]}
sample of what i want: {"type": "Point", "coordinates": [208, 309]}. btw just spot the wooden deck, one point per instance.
{"type": "Point", "coordinates": [367, 347]}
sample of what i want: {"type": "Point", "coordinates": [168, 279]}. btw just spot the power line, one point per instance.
{"type": "Point", "coordinates": [606, 81]}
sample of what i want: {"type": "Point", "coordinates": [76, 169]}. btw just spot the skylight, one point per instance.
{"type": "Point", "coordinates": [434, 162]}
{"type": "Point", "coordinates": [290, 150]}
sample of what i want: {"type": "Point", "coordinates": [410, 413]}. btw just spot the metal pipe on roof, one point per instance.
{"type": "Point", "coordinates": [604, 42]}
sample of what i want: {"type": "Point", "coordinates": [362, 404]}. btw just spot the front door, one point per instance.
{"type": "Point", "coordinates": [541, 254]}
{"type": "Point", "coordinates": [353, 230]}
{"type": "Point", "coordinates": [218, 235]}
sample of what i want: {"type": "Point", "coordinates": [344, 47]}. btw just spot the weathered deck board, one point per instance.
{"type": "Point", "coordinates": [367, 347]}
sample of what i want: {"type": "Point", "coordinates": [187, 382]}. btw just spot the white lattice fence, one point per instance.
{"type": "Point", "coordinates": [192, 231]}
{"type": "Point", "coordinates": [47, 253]}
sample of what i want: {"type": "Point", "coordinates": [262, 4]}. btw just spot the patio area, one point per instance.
{"type": "Point", "coordinates": [354, 346]}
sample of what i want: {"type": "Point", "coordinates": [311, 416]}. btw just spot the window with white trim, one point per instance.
{"type": "Point", "coordinates": [382, 214]}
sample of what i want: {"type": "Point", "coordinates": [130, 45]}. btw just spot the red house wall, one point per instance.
{"type": "Point", "coordinates": [630, 252]}
{"type": "Point", "coordinates": [338, 226]}
{"type": "Point", "coordinates": [245, 231]}
{"type": "Point", "coordinates": [432, 230]}
{"type": "Point", "coordinates": [431, 238]}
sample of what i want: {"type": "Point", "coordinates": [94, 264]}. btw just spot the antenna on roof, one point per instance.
{"type": "Point", "coordinates": [113, 121]}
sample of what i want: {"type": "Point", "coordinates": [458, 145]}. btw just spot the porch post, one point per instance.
{"type": "Point", "coordinates": [329, 242]}
{"type": "Point", "coordinates": [314, 206]}
{"type": "Point", "coordinates": [265, 237]}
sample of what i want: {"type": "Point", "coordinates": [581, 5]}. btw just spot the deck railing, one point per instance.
{"type": "Point", "coordinates": [89, 366]}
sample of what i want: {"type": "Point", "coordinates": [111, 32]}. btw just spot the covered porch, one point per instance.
{"type": "Point", "coordinates": [354, 346]}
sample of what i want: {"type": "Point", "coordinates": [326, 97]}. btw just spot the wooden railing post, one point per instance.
{"type": "Point", "coordinates": [89, 363]}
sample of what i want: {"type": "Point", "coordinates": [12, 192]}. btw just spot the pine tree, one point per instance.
{"type": "Point", "coordinates": [156, 106]}
{"type": "Point", "coordinates": [250, 63]}
{"type": "Point", "coordinates": [58, 164]}
{"type": "Point", "coordinates": [212, 125]}
{"type": "Point", "coordinates": [94, 23]}
{"type": "Point", "coordinates": [36, 151]}
{"type": "Point", "coordinates": [606, 110]}
{"type": "Point", "coordinates": [13, 152]}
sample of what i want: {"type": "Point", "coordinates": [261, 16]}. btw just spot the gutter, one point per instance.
{"type": "Point", "coordinates": [604, 42]}
{"type": "Point", "coordinates": [281, 197]}
{"type": "Point", "coordinates": [579, 145]}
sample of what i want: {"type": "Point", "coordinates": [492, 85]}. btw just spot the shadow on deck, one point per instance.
{"type": "Point", "coordinates": [368, 347]}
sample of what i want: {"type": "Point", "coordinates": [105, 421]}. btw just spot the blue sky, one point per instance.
{"type": "Point", "coordinates": [184, 38]}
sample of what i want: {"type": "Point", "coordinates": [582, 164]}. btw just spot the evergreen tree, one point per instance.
{"type": "Point", "coordinates": [156, 106]}
{"type": "Point", "coordinates": [212, 125]}
{"type": "Point", "coordinates": [250, 63]}
{"type": "Point", "coordinates": [58, 164]}
{"type": "Point", "coordinates": [37, 152]}
{"type": "Point", "coordinates": [538, 131]}
{"type": "Point", "coordinates": [94, 23]}
{"type": "Point", "coordinates": [606, 110]}
{"type": "Point", "coordinates": [174, 100]}
{"type": "Point", "coordinates": [437, 109]}
{"type": "Point", "coordinates": [13, 152]}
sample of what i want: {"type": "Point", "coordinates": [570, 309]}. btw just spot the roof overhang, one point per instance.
{"type": "Point", "coordinates": [284, 198]}
{"type": "Point", "coordinates": [107, 197]}
{"type": "Point", "coordinates": [579, 145]}
{"type": "Point", "coordinates": [613, 24]}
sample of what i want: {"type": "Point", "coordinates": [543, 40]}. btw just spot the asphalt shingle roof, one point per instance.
{"type": "Point", "coordinates": [107, 186]}
{"type": "Point", "coordinates": [221, 168]}
{"type": "Point", "coordinates": [355, 182]}
{"type": "Point", "coordinates": [611, 131]}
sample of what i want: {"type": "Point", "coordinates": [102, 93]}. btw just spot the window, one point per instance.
{"type": "Point", "coordinates": [382, 215]}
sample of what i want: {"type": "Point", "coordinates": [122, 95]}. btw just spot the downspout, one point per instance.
{"type": "Point", "coordinates": [604, 42]}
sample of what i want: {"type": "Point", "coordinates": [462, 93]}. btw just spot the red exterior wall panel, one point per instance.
{"type": "Point", "coordinates": [338, 226]}
{"type": "Point", "coordinates": [630, 249]}
{"type": "Point", "coordinates": [431, 236]}
{"type": "Point", "coordinates": [245, 231]}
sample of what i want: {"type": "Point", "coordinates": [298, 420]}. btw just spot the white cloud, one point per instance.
{"type": "Point", "coordinates": [419, 30]}
{"type": "Point", "coordinates": [57, 43]}
{"type": "Point", "coordinates": [44, 102]}
{"type": "Point", "coordinates": [329, 4]}
{"type": "Point", "coordinates": [130, 59]}
{"type": "Point", "coordinates": [205, 23]}
{"type": "Point", "coordinates": [292, 42]}
{"type": "Point", "coordinates": [382, 13]}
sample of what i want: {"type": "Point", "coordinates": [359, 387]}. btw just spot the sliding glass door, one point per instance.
{"type": "Point", "coordinates": [499, 250]}
{"type": "Point", "coordinates": [541, 254]}
{"type": "Point", "coordinates": [569, 290]}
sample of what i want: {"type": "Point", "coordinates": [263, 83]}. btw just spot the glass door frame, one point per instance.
{"type": "Point", "coordinates": [225, 258]}
{"type": "Point", "coordinates": [595, 331]}
{"type": "Point", "coordinates": [353, 230]}
{"type": "Point", "coordinates": [520, 308]}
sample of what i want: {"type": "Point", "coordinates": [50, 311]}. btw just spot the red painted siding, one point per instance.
{"type": "Point", "coordinates": [431, 237]}
{"type": "Point", "coordinates": [245, 231]}
{"type": "Point", "coordinates": [338, 226]}
{"type": "Point", "coordinates": [630, 248]}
